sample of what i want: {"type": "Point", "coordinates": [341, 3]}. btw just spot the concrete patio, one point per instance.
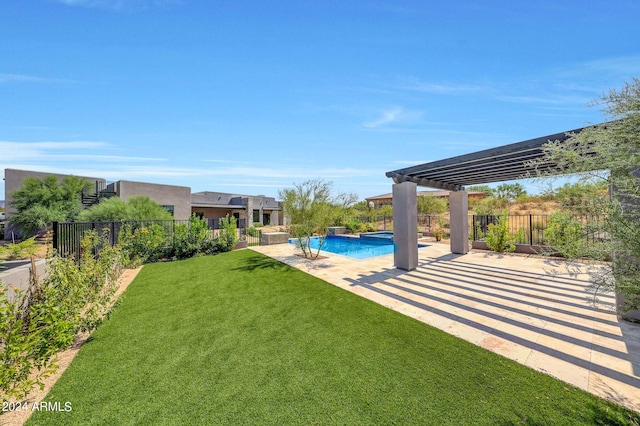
{"type": "Point", "coordinates": [528, 309]}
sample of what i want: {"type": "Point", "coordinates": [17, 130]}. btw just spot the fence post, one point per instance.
{"type": "Point", "coordinates": [55, 236]}
{"type": "Point", "coordinates": [530, 230]}
{"type": "Point", "coordinates": [473, 224]}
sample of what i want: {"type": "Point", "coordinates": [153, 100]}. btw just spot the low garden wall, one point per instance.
{"type": "Point", "coordinates": [520, 248]}
{"type": "Point", "coordinates": [270, 238]}
{"type": "Point", "coordinates": [19, 275]}
{"type": "Point", "coordinates": [336, 230]}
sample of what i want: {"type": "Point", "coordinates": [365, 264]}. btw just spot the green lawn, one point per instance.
{"type": "Point", "coordinates": [239, 338]}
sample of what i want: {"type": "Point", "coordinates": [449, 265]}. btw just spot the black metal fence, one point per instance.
{"type": "Point", "coordinates": [67, 236]}
{"type": "Point", "coordinates": [530, 229]}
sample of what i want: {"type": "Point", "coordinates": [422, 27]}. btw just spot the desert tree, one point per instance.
{"type": "Point", "coordinates": [609, 152]}
{"type": "Point", "coordinates": [311, 208]}
{"type": "Point", "coordinates": [139, 207]}
{"type": "Point", "coordinates": [509, 191]}
{"type": "Point", "coordinates": [431, 205]}
{"type": "Point", "coordinates": [39, 202]}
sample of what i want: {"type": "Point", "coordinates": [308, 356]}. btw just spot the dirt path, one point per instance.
{"type": "Point", "coordinates": [18, 418]}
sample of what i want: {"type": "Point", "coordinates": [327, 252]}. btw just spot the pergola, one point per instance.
{"type": "Point", "coordinates": [503, 163]}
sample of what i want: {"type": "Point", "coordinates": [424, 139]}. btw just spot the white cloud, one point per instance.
{"type": "Point", "coordinates": [550, 99]}
{"type": "Point", "coordinates": [621, 66]}
{"type": "Point", "coordinates": [22, 78]}
{"type": "Point", "coordinates": [116, 170]}
{"type": "Point", "coordinates": [393, 116]}
{"type": "Point", "coordinates": [119, 5]}
{"type": "Point", "coordinates": [37, 151]}
{"type": "Point", "coordinates": [387, 117]}
{"type": "Point", "coordinates": [414, 84]}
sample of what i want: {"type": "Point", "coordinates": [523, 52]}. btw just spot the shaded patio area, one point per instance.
{"type": "Point", "coordinates": [528, 309]}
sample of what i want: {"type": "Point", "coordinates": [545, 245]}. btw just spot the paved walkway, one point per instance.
{"type": "Point", "coordinates": [527, 309]}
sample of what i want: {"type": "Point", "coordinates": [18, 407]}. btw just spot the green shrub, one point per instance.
{"type": "Point", "coordinates": [22, 250]}
{"type": "Point", "coordinates": [565, 234]}
{"type": "Point", "coordinates": [352, 226]}
{"type": "Point", "coordinates": [253, 232]}
{"type": "Point", "coordinates": [36, 324]}
{"type": "Point", "coordinates": [228, 237]}
{"type": "Point", "coordinates": [430, 205]}
{"type": "Point", "coordinates": [144, 245]}
{"type": "Point", "coordinates": [371, 227]}
{"type": "Point", "coordinates": [489, 206]}
{"type": "Point", "coordinates": [498, 237]}
{"type": "Point", "coordinates": [190, 239]}
{"type": "Point", "coordinates": [139, 207]}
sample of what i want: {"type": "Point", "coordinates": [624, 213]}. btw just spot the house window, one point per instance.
{"type": "Point", "coordinates": [256, 216]}
{"type": "Point", "coordinates": [168, 208]}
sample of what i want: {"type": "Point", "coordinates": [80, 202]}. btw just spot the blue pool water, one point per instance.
{"type": "Point", "coordinates": [358, 248]}
{"type": "Point", "coordinates": [382, 234]}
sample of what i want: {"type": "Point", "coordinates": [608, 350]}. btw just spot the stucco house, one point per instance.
{"type": "Point", "coordinates": [247, 209]}
{"type": "Point", "coordinates": [178, 200]}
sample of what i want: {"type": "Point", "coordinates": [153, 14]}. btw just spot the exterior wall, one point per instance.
{"type": "Point", "coordinates": [216, 204]}
{"type": "Point", "coordinates": [13, 180]}
{"type": "Point", "coordinates": [169, 195]}
{"type": "Point", "coordinates": [263, 205]}
{"type": "Point", "coordinates": [275, 217]}
{"type": "Point", "coordinates": [254, 204]}
{"type": "Point", "coordinates": [210, 213]}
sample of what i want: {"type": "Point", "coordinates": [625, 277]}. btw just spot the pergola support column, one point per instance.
{"type": "Point", "coordinates": [459, 221]}
{"type": "Point", "coordinates": [405, 225]}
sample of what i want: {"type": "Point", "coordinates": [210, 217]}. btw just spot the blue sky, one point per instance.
{"type": "Point", "coordinates": [249, 97]}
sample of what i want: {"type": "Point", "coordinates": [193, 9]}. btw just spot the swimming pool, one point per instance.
{"type": "Point", "coordinates": [382, 234]}
{"type": "Point", "coordinates": [358, 248]}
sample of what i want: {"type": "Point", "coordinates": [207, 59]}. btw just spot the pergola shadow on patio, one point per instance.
{"type": "Point", "coordinates": [511, 305]}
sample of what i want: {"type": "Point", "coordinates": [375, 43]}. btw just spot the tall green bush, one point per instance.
{"type": "Point", "coordinates": [139, 207]}
{"type": "Point", "coordinates": [431, 205]}
{"type": "Point", "coordinates": [37, 324]}
{"type": "Point", "coordinates": [190, 239]}
{"type": "Point", "coordinates": [145, 244]}
{"type": "Point", "coordinates": [565, 235]}
{"type": "Point", "coordinates": [228, 237]}
{"type": "Point", "coordinates": [489, 206]}
{"type": "Point", "coordinates": [498, 237]}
